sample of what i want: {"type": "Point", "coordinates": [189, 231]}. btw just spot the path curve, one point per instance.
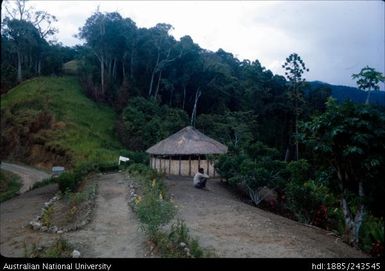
{"type": "Point", "coordinates": [114, 230]}
{"type": "Point", "coordinates": [112, 233]}
{"type": "Point", "coordinates": [15, 215]}
{"type": "Point", "coordinates": [237, 230]}
{"type": "Point", "coordinates": [29, 176]}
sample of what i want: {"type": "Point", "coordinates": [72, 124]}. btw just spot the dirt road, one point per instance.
{"type": "Point", "coordinates": [114, 230]}
{"type": "Point", "coordinates": [112, 233]}
{"type": "Point", "coordinates": [234, 229]}
{"type": "Point", "coordinates": [28, 175]}
{"type": "Point", "coordinates": [15, 215]}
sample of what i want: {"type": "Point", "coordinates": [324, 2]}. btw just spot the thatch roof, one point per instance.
{"type": "Point", "coordinates": [187, 141]}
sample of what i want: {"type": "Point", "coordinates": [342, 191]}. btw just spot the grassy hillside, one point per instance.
{"type": "Point", "coordinates": [48, 120]}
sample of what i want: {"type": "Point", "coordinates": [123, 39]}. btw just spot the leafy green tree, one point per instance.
{"type": "Point", "coordinates": [294, 68]}
{"type": "Point", "coordinates": [232, 128]}
{"type": "Point", "coordinates": [368, 80]}
{"type": "Point", "coordinates": [350, 139]}
{"type": "Point", "coordinates": [253, 173]}
{"type": "Point", "coordinates": [307, 198]}
{"type": "Point", "coordinates": [144, 123]}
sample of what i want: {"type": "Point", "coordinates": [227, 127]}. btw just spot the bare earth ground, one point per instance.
{"type": "Point", "coordinates": [112, 233]}
{"type": "Point", "coordinates": [15, 215]}
{"type": "Point", "coordinates": [114, 230]}
{"type": "Point", "coordinates": [237, 230]}
{"type": "Point", "coordinates": [28, 175]}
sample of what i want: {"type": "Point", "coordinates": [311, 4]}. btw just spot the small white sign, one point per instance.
{"type": "Point", "coordinates": [123, 159]}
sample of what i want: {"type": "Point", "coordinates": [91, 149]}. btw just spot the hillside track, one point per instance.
{"type": "Point", "coordinates": [28, 175]}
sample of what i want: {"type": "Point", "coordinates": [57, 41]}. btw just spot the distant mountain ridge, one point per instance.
{"type": "Point", "coordinates": [342, 93]}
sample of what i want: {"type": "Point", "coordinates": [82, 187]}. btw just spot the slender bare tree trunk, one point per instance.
{"type": "Point", "coordinates": [171, 95]}
{"type": "Point", "coordinates": [114, 69]}
{"type": "Point", "coordinates": [194, 112]}
{"type": "Point", "coordinates": [123, 70]}
{"type": "Point", "coordinates": [184, 96]}
{"type": "Point", "coordinates": [158, 84]}
{"type": "Point", "coordinates": [109, 68]}
{"type": "Point", "coordinates": [368, 97]}
{"type": "Point", "coordinates": [287, 153]}
{"type": "Point", "coordinates": [296, 139]}
{"type": "Point", "coordinates": [132, 60]}
{"type": "Point", "coordinates": [102, 72]}
{"type": "Point", "coordinates": [153, 73]}
{"type": "Point", "coordinates": [19, 72]}
{"type": "Point", "coordinates": [352, 222]}
{"type": "Point", "coordinates": [39, 67]}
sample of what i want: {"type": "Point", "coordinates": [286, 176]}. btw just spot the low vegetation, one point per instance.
{"type": "Point", "coordinates": [60, 248]}
{"type": "Point", "coordinates": [155, 211]}
{"type": "Point", "coordinates": [10, 185]}
{"type": "Point", "coordinates": [43, 183]}
{"type": "Point", "coordinates": [48, 120]}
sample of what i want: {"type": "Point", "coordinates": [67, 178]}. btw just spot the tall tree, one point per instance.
{"type": "Point", "coordinates": [103, 34]}
{"type": "Point", "coordinates": [350, 139]}
{"type": "Point", "coordinates": [18, 24]}
{"type": "Point", "coordinates": [368, 80]}
{"type": "Point", "coordinates": [24, 38]}
{"type": "Point", "coordinates": [294, 68]}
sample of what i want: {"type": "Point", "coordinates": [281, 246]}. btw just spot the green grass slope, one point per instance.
{"type": "Point", "coordinates": [48, 120]}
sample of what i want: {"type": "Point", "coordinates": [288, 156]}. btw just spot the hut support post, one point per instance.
{"type": "Point", "coordinates": [180, 162]}
{"type": "Point", "coordinates": [189, 165]}
{"type": "Point", "coordinates": [169, 165]}
{"type": "Point", "coordinates": [199, 162]}
{"type": "Point", "coordinates": [208, 165]}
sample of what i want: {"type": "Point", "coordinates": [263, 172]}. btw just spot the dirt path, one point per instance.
{"type": "Point", "coordinates": [15, 215]}
{"type": "Point", "coordinates": [112, 233]}
{"type": "Point", "coordinates": [28, 175]}
{"type": "Point", "coordinates": [114, 230]}
{"type": "Point", "coordinates": [234, 229]}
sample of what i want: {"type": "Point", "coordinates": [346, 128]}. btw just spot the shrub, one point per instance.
{"type": "Point", "coordinates": [44, 183]}
{"type": "Point", "coordinates": [136, 157]}
{"type": "Point", "coordinates": [178, 243]}
{"type": "Point", "coordinates": [372, 236]}
{"type": "Point", "coordinates": [83, 169]}
{"type": "Point", "coordinates": [251, 174]}
{"type": "Point", "coordinates": [138, 169]}
{"type": "Point", "coordinates": [10, 185]}
{"type": "Point", "coordinates": [308, 199]}
{"type": "Point", "coordinates": [68, 181]}
{"type": "Point", "coordinates": [154, 212]}
{"type": "Point", "coordinates": [47, 216]}
{"type": "Point", "coordinates": [108, 167]}
{"type": "Point", "coordinates": [59, 249]}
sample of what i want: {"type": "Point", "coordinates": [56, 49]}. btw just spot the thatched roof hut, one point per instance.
{"type": "Point", "coordinates": [184, 152]}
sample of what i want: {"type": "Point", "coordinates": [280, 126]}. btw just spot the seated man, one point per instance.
{"type": "Point", "coordinates": [200, 179]}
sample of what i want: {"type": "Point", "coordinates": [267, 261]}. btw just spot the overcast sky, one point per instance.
{"type": "Point", "coordinates": [335, 39]}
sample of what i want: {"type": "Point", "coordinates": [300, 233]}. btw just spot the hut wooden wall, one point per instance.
{"type": "Point", "coordinates": [174, 166]}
